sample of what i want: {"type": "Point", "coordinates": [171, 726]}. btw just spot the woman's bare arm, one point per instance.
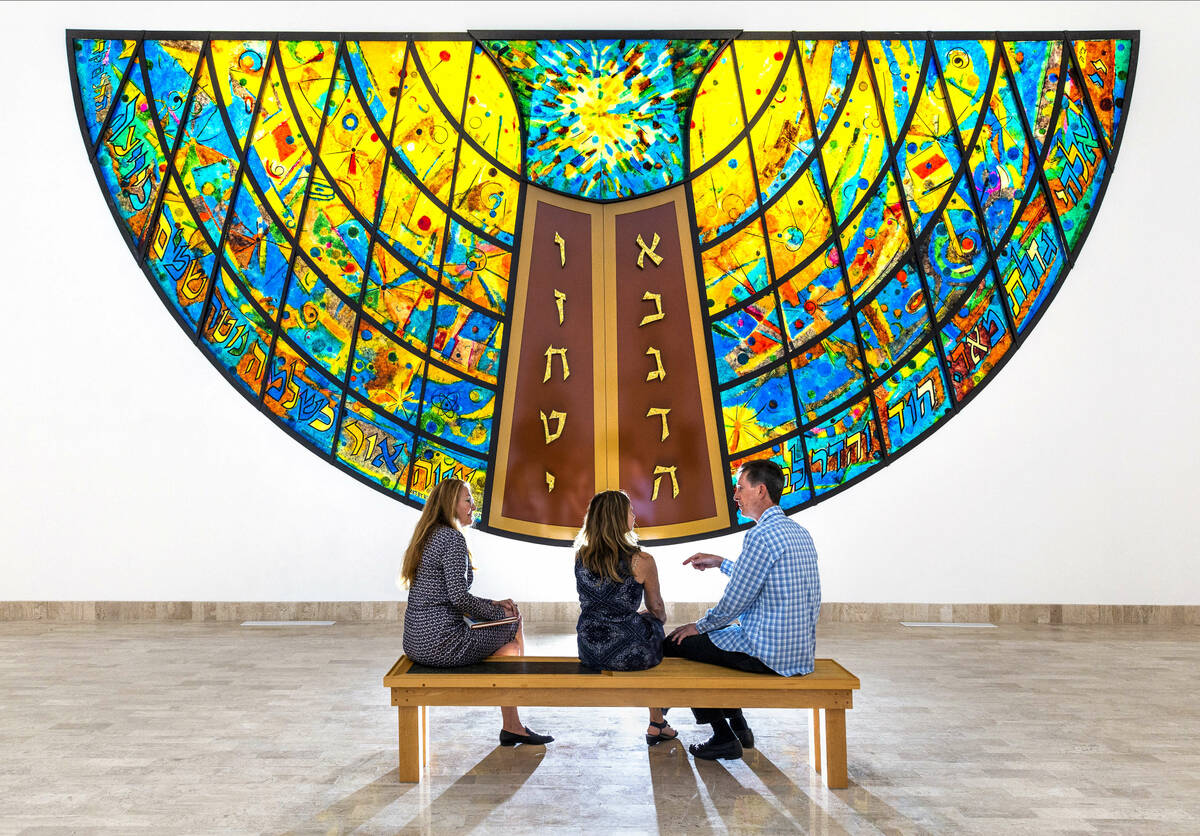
{"type": "Point", "coordinates": [646, 573]}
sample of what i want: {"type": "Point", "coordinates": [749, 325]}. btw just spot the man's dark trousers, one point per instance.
{"type": "Point", "coordinates": [700, 648]}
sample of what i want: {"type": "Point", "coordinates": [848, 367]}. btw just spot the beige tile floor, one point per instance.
{"type": "Point", "coordinates": [216, 728]}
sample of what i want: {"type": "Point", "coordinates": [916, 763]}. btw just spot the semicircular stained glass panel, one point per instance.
{"type": "Point", "coordinates": [344, 227]}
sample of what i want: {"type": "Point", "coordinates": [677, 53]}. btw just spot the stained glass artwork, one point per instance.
{"type": "Point", "coordinates": [550, 265]}
{"type": "Point", "coordinates": [604, 119]}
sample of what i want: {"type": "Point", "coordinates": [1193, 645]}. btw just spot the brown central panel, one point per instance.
{"type": "Point", "coordinates": [636, 409]}
{"type": "Point", "coordinates": [659, 367]}
{"type": "Point", "coordinates": [549, 417]}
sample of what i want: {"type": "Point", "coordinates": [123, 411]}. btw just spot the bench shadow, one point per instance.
{"type": "Point", "coordinates": [477, 793]}
{"type": "Point", "coordinates": [677, 803]}
{"type": "Point", "coordinates": [744, 809]}
{"type": "Point", "coordinates": [356, 809]}
{"type": "Point", "coordinates": [867, 807]}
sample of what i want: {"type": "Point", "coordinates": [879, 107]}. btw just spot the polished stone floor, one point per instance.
{"type": "Point", "coordinates": [217, 728]}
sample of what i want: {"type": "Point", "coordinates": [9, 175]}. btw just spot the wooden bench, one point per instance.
{"type": "Point", "coordinates": [562, 681]}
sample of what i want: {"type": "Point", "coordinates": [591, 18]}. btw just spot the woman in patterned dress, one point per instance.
{"type": "Point", "coordinates": [438, 571]}
{"type": "Point", "coordinates": [611, 575]}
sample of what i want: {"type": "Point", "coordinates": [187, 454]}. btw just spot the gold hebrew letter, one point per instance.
{"type": "Point", "coordinates": [560, 417]}
{"type": "Point", "coordinates": [562, 355]}
{"type": "Point", "coordinates": [562, 249]}
{"type": "Point", "coordinates": [657, 373]}
{"type": "Point", "coordinates": [559, 298]}
{"type": "Point", "coordinates": [648, 251]}
{"type": "Point", "coordinates": [659, 472]}
{"type": "Point", "coordinates": [549, 482]}
{"type": "Point", "coordinates": [658, 314]}
{"type": "Point", "coordinates": [661, 413]}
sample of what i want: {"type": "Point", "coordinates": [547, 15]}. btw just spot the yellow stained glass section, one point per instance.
{"type": "Point", "coordinates": [352, 151]}
{"type": "Point", "coordinates": [412, 224]}
{"type": "Point", "coordinates": [782, 136]}
{"type": "Point", "coordinates": [716, 112]}
{"type": "Point", "coordinates": [484, 195]}
{"type": "Point", "coordinates": [240, 67]}
{"type": "Point", "coordinates": [424, 138]}
{"type": "Point", "coordinates": [445, 62]}
{"type": "Point", "coordinates": [283, 153]}
{"type": "Point", "coordinates": [309, 68]}
{"type": "Point", "coordinates": [798, 223]}
{"type": "Point", "coordinates": [856, 150]}
{"type": "Point", "coordinates": [725, 194]}
{"type": "Point", "coordinates": [384, 62]}
{"type": "Point", "coordinates": [759, 64]}
{"type": "Point", "coordinates": [965, 82]}
{"type": "Point", "coordinates": [491, 117]}
{"type": "Point", "coordinates": [399, 298]}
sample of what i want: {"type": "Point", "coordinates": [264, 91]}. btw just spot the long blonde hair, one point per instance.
{"type": "Point", "coordinates": [439, 510]}
{"type": "Point", "coordinates": [605, 543]}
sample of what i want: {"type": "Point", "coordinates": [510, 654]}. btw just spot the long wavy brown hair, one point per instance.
{"type": "Point", "coordinates": [439, 510]}
{"type": "Point", "coordinates": [605, 543]}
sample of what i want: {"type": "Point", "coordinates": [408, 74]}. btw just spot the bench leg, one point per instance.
{"type": "Point", "coordinates": [424, 735]}
{"type": "Point", "coordinates": [410, 744]}
{"type": "Point", "coordinates": [835, 749]}
{"type": "Point", "coordinates": [814, 740]}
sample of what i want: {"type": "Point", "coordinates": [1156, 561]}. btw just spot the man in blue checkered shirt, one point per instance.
{"type": "Point", "coordinates": [766, 621]}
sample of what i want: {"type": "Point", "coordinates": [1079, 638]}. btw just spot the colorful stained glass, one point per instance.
{"type": "Point", "coordinates": [1036, 67]}
{"type": "Point", "coordinates": [100, 65]}
{"type": "Point", "coordinates": [758, 410]}
{"type": "Point", "coordinates": [912, 400]}
{"type": "Point", "coordinates": [842, 448]}
{"type": "Point", "coordinates": [604, 119]}
{"type": "Point", "coordinates": [874, 224]}
{"type": "Point", "coordinates": [735, 268]}
{"type": "Point", "coordinates": [893, 320]}
{"type": "Point", "coordinates": [1075, 164]}
{"type": "Point", "coordinates": [374, 446]}
{"type": "Point", "coordinates": [827, 371]}
{"type": "Point", "coordinates": [975, 339]}
{"type": "Point", "coordinates": [747, 339]}
{"type": "Point", "coordinates": [965, 68]}
{"type": "Point", "coordinates": [130, 155]}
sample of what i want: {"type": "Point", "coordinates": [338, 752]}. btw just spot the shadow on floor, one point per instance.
{"type": "Point", "coordinates": [473, 797]}
{"type": "Point", "coordinates": [807, 811]}
{"type": "Point", "coordinates": [356, 809]}
{"type": "Point", "coordinates": [677, 802]}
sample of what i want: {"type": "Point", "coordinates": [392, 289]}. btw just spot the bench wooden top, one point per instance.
{"type": "Point", "coordinates": [541, 672]}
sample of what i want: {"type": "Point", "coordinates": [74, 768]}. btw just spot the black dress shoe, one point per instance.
{"type": "Point", "coordinates": [744, 735]}
{"type": "Point", "coordinates": [710, 750]}
{"type": "Point", "coordinates": [508, 738]}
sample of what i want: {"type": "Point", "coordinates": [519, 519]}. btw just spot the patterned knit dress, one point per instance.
{"type": "Point", "coordinates": [435, 633]}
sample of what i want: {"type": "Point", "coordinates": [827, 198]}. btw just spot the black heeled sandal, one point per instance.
{"type": "Point", "coordinates": [655, 739]}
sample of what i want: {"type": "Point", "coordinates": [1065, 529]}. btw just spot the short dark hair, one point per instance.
{"type": "Point", "coordinates": [765, 472]}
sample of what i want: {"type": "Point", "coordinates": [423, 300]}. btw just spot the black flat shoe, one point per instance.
{"type": "Point", "coordinates": [744, 735]}
{"type": "Point", "coordinates": [508, 738]}
{"type": "Point", "coordinates": [655, 739]}
{"type": "Point", "coordinates": [710, 750]}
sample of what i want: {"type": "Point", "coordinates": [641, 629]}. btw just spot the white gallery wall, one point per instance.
{"type": "Point", "coordinates": [130, 470]}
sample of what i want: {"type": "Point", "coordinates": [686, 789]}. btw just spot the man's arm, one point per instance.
{"type": "Point", "coordinates": [746, 578]}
